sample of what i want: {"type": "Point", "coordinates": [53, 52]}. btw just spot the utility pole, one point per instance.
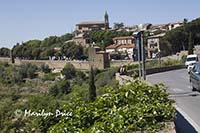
{"type": "Point", "coordinates": [141, 53]}
{"type": "Point", "coordinates": [143, 56]}
{"type": "Point", "coordinates": [139, 57]}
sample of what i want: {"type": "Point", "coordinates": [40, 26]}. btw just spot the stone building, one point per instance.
{"type": "Point", "coordinates": [98, 59]}
{"type": "Point", "coordinates": [93, 25]}
{"type": "Point", "coordinates": [82, 30]}
{"type": "Point", "coordinates": [153, 45]}
{"type": "Point", "coordinates": [123, 45]}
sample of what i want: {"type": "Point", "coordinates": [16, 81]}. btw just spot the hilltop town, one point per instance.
{"type": "Point", "coordinates": [118, 41]}
{"type": "Point", "coordinates": [90, 80]}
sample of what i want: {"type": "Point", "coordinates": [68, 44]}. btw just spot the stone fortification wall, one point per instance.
{"type": "Point", "coordinates": [60, 64]}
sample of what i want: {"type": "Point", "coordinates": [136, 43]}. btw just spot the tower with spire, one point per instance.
{"type": "Point", "coordinates": [106, 20]}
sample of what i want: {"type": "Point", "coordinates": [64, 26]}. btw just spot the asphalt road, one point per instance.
{"type": "Point", "coordinates": [187, 101]}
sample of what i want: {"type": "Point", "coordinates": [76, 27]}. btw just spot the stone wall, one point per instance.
{"type": "Point", "coordinates": [52, 64]}
{"type": "Point", "coordinates": [60, 64]}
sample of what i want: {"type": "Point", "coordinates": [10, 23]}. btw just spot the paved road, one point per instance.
{"type": "Point", "coordinates": [187, 101]}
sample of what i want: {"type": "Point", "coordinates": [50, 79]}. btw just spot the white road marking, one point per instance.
{"type": "Point", "coordinates": [177, 90]}
{"type": "Point", "coordinates": [188, 118]}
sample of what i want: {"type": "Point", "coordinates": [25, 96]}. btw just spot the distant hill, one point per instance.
{"type": "Point", "coordinates": [178, 39]}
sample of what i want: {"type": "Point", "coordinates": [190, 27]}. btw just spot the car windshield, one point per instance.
{"type": "Point", "coordinates": [197, 68]}
{"type": "Point", "coordinates": [192, 59]}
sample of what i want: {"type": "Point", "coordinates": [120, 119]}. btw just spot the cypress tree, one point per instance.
{"type": "Point", "coordinates": [190, 44]}
{"type": "Point", "coordinates": [92, 87]}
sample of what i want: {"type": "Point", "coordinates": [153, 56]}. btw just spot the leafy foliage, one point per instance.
{"type": "Point", "coordinates": [60, 88]}
{"type": "Point", "coordinates": [11, 75]}
{"type": "Point", "coordinates": [92, 87]}
{"type": "Point", "coordinates": [104, 38]}
{"type": "Point", "coordinates": [4, 52]}
{"type": "Point", "coordinates": [136, 106]}
{"type": "Point", "coordinates": [191, 45]}
{"type": "Point", "coordinates": [36, 49]}
{"type": "Point", "coordinates": [73, 51]}
{"type": "Point", "coordinates": [69, 71]}
{"type": "Point", "coordinates": [118, 25]}
{"type": "Point", "coordinates": [176, 40]}
{"type": "Point", "coordinates": [45, 68]}
{"type": "Point", "coordinates": [106, 77]}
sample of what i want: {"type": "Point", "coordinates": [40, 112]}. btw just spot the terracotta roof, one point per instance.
{"type": "Point", "coordinates": [123, 37]}
{"type": "Point", "coordinates": [91, 23]}
{"type": "Point", "coordinates": [127, 46]}
{"type": "Point", "coordinates": [114, 46]}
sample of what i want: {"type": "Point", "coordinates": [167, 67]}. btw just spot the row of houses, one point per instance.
{"type": "Point", "coordinates": [124, 45]}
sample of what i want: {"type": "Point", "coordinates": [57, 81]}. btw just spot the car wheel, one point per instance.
{"type": "Point", "coordinates": [193, 88]}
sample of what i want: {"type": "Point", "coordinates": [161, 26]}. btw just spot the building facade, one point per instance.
{"type": "Point", "coordinates": [93, 25]}
{"type": "Point", "coordinates": [82, 30]}
{"type": "Point", "coordinates": [123, 45]}
{"type": "Point", "coordinates": [98, 59]}
{"type": "Point", "coordinates": [153, 45]}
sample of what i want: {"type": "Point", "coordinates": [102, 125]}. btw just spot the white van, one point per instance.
{"type": "Point", "coordinates": [191, 59]}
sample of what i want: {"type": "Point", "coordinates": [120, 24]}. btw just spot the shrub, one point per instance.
{"type": "Point", "coordinates": [183, 58]}
{"type": "Point", "coordinates": [49, 77]}
{"type": "Point", "coordinates": [69, 71]}
{"type": "Point", "coordinates": [105, 78]}
{"type": "Point", "coordinates": [60, 88]}
{"type": "Point", "coordinates": [27, 71]}
{"type": "Point", "coordinates": [45, 68]}
{"type": "Point", "coordinates": [133, 107]}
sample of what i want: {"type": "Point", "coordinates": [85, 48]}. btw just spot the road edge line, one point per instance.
{"type": "Point", "coordinates": [188, 118]}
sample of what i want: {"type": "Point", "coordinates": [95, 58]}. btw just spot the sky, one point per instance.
{"type": "Point", "coordinates": [23, 20]}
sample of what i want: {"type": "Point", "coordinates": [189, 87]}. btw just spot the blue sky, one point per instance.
{"type": "Point", "coordinates": [23, 20]}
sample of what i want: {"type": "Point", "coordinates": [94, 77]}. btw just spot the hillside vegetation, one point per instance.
{"type": "Point", "coordinates": [178, 39]}
{"type": "Point", "coordinates": [27, 88]}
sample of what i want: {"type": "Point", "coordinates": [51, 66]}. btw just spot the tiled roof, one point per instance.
{"type": "Point", "coordinates": [91, 23]}
{"type": "Point", "coordinates": [114, 46]}
{"type": "Point", "coordinates": [120, 46]}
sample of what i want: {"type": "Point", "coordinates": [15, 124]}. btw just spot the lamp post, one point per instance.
{"type": "Point", "coordinates": [141, 53]}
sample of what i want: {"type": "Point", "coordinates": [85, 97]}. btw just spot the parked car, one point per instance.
{"type": "Point", "coordinates": [193, 58]}
{"type": "Point", "coordinates": [195, 77]}
{"type": "Point", "coordinates": [190, 67]}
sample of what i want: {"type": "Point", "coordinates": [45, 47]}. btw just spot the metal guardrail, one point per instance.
{"type": "Point", "coordinates": [157, 70]}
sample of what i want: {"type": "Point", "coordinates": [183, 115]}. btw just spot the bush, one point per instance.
{"type": "Point", "coordinates": [45, 68]}
{"type": "Point", "coordinates": [27, 71]}
{"type": "Point", "coordinates": [105, 78]}
{"type": "Point", "coordinates": [133, 107]}
{"type": "Point", "coordinates": [61, 87]}
{"type": "Point", "coordinates": [49, 77]}
{"type": "Point", "coordinates": [183, 58]}
{"type": "Point", "coordinates": [69, 71]}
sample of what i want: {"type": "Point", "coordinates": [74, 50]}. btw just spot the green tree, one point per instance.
{"type": "Point", "coordinates": [64, 87]}
{"type": "Point", "coordinates": [118, 25]}
{"type": "Point", "coordinates": [53, 91]}
{"type": "Point", "coordinates": [69, 71]}
{"type": "Point", "coordinates": [4, 52]}
{"type": "Point", "coordinates": [191, 44]}
{"type": "Point", "coordinates": [72, 50]}
{"type": "Point", "coordinates": [60, 88]}
{"type": "Point", "coordinates": [36, 53]}
{"type": "Point", "coordinates": [45, 68]}
{"type": "Point", "coordinates": [92, 87]}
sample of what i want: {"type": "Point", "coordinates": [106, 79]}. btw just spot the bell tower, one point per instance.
{"type": "Point", "coordinates": [106, 20]}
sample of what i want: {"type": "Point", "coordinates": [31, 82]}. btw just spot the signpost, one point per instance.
{"type": "Point", "coordinates": [141, 53]}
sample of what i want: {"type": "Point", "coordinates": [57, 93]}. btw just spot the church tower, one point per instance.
{"type": "Point", "coordinates": [106, 20]}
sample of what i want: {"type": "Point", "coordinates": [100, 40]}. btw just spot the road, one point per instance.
{"type": "Point", "coordinates": [187, 101]}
